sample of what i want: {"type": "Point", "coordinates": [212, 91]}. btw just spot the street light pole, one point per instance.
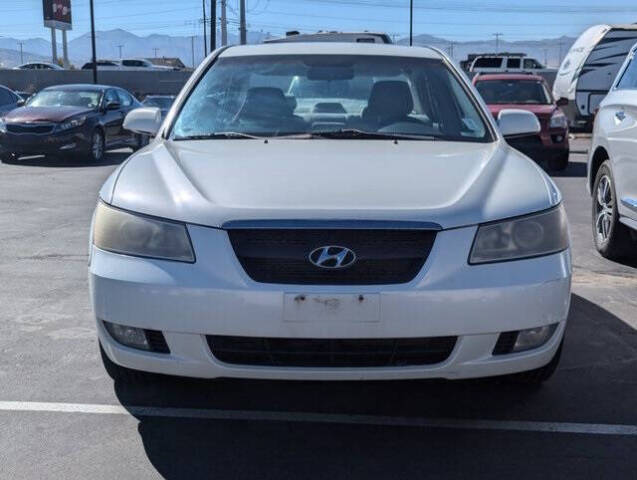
{"type": "Point", "coordinates": [93, 43]}
{"type": "Point", "coordinates": [242, 22]}
{"type": "Point", "coordinates": [411, 22]}
{"type": "Point", "coordinates": [205, 29]}
{"type": "Point", "coordinates": [213, 25]}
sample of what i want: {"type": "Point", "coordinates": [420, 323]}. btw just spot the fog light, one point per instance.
{"type": "Point", "coordinates": [533, 337]}
{"type": "Point", "coordinates": [129, 336]}
{"type": "Point", "coordinates": [523, 340]}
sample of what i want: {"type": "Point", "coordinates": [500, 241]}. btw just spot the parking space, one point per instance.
{"type": "Point", "coordinates": [61, 414]}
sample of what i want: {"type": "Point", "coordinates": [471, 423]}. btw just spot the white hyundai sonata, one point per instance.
{"type": "Point", "coordinates": [335, 212]}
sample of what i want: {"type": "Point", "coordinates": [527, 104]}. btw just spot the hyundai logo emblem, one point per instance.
{"type": "Point", "coordinates": [332, 257]}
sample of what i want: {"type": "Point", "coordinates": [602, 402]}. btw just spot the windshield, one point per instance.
{"type": "Point", "coordinates": [316, 95]}
{"type": "Point", "coordinates": [161, 102]}
{"type": "Point", "coordinates": [523, 92]}
{"type": "Point", "coordinates": [66, 98]}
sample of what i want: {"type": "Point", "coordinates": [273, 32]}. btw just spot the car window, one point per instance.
{"type": "Point", "coordinates": [293, 94]}
{"type": "Point", "coordinates": [72, 98]}
{"type": "Point", "coordinates": [124, 98]}
{"type": "Point", "coordinates": [513, 63]}
{"type": "Point", "coordinates": [524, 92]}
{"type": "Point", "coordinates": [6, 97]}
{"type": "Point", "coordinates": [488, 62]}
{"type": "Point", "coordinates": [629, 77]}
{"type": "Point", "coordinates": [110, 96]}
{"type": "Point", "coordinates": [133, 63]}
{"type": "Point", "coordinates": [531, 63]}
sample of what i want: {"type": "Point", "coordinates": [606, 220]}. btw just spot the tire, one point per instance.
{"type": "Point", "coordinates": [559, 163]}
{"type": "Point", "coordinates": [7, 157]}
{"type": "Point", "coordinates": [122, 374]}
{"type": "Point", "coordinates": [612, 238]}
{"type": "Point", "coordinates": [539, 375]}
{"type": "Point", "coordinates": [96, 150]}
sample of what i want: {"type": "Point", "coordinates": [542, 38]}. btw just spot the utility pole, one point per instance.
{"type": "Point", "coordinates": [205, 29]}
{"type": "Point", "coordinates": [411, 22]}
{"type": "Point", "coordinates": [546, 57]}
{"type": "Point", "coordinates": [497, 41]}
{"type": "Point", "coordinates": [93, 43]}
{"type": "Point", "coordinates": [242, 22]}
{"type": "Point", "coordinates": [224, 24]}
{"type": "Point", "coordinates": [192, 47]}
{"type": "Point", "coordinates": [213, 25]}
{"type": "Point", "coordinates": [155, 50]}
{"type": "Point", "coordinates": [120, 50]}
{"type": "Point", "coordinates": [21, 52]}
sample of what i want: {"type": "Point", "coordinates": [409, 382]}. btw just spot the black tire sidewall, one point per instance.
{"type": "Point", "coordinates": [91, 155]}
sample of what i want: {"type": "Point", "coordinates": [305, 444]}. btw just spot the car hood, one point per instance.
{"type": "Point", "coordinates": [539, 110]}
{"type": "Point", "coordinates": [43, 114]}
{"type": "Point", "coordinates": [216, 181]}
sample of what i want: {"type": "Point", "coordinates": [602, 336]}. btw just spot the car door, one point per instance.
{"type": "Point", "coordinates": [113, 120]}
{"type": "Point", "coordinates": [127, 103]}
{"type": "Point", "coordinates": [620, 121]}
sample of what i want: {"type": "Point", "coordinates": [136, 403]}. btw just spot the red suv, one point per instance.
{"type": "Point", "coordinates": [529, 92]}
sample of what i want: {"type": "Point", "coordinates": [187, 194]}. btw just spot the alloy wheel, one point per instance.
{"type": "Point", "coordinates": [604, 209]}
{"type": "Point", "coordinates": [97, 149]}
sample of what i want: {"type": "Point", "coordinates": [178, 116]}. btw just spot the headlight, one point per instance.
{"type": "Point", "coordinates": [130, 234]}
{"type": "Point", "coordinates": [558, 120]}
{"type": "Point", "coordinates": [523, 237]}
{"type": "Point", "coordinates": [3, 126]}
{"type": "Point", "coordinates": [76, 122]}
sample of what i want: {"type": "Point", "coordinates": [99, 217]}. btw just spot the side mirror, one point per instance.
{"type": "Point", "coordinates": [562, 102]}
{"type": "Point", "coordinates": [113, 105]}
{"type": "Point", "coordinates": [145, 120]}
{"type": "Point", "coordinates": [518, 123]}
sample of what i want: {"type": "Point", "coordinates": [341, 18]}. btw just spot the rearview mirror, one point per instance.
{"type": "Point", "coordinates": [518, 123]}
{"type": "Point", "coordinates": [145, 120]}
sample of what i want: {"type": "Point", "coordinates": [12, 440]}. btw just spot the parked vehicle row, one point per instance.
{"type": "Point", "coordinates": [127, 64]}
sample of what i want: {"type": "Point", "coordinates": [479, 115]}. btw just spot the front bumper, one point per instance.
{"type": "Point", "coordinates": [214, 296]}
{"type": "Point", "coordinates": [76, 140]}
{"type": "Point", "coordinates": [548, 145]}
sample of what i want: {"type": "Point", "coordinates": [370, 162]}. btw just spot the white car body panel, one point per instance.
{"type": "Point", "coordinates": [207, 183]}
{"type": "Point", "coordinates": [616, 132]}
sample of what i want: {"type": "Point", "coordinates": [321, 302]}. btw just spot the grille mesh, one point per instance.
{"type": "Point", "coordinates": [303, 352]}
{"type": "Point", "coordinates": [382, 256]}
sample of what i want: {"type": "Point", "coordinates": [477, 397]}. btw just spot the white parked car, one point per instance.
{"type": "Point", "coordinates": [612, 166]}
{"type": "Point", "coordinates": [38, 66]}
{"type": "Point", "coordinates": [387, 235]}
{"type": "Point", "coordinates": [507, 64]}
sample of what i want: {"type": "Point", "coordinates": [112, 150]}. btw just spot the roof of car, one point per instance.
{"type": "Point", "coordinates": [331, 48]}
{"type": "Point", "coordinates": [508, 76]}
{"type": "Point", "coordinates": [80, 86]}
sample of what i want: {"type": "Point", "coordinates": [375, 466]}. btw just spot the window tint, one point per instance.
{"type": "Point", "coordinates": [524, 92]}
{"type": "Point", "coordinates": [629, 77]}
{"type": "Point", "coordinates": [133, 63]}
{"type": "Point", "coordinates": [124, 98]}
{"type": "Point", "coordinates": [513, 63]}
{"type": "Point", "coordinates": [488, 62]}
{"type": "Point", "coordinates": [111, 96]}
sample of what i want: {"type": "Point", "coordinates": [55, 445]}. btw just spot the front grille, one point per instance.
{"type": "Point", "coordinates": [38, 129]}
{"type": "Point", "coordinates": [156, 341]}
{"type": "Point", "coordinates": [282, 255]}
{"type": "Point", "coordinates": [304, 352]}
{"type": "Point", "coordinates": [531, 145]}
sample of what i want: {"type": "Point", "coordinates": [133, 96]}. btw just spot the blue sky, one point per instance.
{"type": "Point", "coordinates": [456, 20]}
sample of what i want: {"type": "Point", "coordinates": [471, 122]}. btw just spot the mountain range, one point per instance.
{"type": "Point", "coordinates": [190, 49]}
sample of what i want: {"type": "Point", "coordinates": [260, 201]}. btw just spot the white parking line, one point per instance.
{"type": "Point", "coordinates": [306, 417]}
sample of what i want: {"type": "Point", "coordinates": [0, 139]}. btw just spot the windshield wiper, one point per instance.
{"type": "Point", "coordinates": [221, 135]}
{"type": "Point", "coordinates": [353, 133]}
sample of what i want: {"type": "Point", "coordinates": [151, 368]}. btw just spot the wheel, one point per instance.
{"type": "Point", "coordinates": [119, 373]}
{"type": "Point", "coordinates": [558, 163]}
{"type": "Point", "coordinates": [6, 157]}
{"type": "Point", "coordinates": [611, 237]}
{"type": "Point", "coordinates": [539, 375]}
{"type": "Point", "coordinates": [97, 146]}
{"type": "Point", "coordinates": [140, 142]}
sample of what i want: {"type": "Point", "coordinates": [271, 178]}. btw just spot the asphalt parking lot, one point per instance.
{"type": "Point", "coordinates": [62, 417]}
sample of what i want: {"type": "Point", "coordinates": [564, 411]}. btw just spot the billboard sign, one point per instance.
{"type": "Point", "coordinates": [57, 14]}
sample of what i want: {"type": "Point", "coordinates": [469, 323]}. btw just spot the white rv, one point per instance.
{"type": "Point", "coordinates": [589, 69]}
